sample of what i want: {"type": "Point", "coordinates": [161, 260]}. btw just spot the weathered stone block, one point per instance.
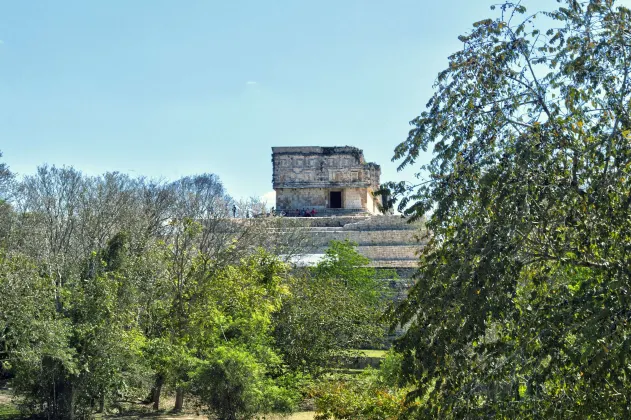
{"type": "Point", "coordinates": [324, 177]}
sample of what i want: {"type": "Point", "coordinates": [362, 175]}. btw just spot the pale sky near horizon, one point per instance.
{"type": "Point", "coordinates": [166, 89]}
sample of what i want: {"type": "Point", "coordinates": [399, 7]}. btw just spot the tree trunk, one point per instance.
{"type": "Point", "coordinates": [101, 403]}
{"type": "Point", "coordinates": [179, 399]}
{"type": "Point", "coordinates": [64, 395]}
{"type": "Point", "coordinates": [157, 389]}
{"type": "Point", "coordinates": [69, 404]}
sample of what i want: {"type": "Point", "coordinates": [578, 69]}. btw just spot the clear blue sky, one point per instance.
{"type": "Point", "coordinates": [172, 88]}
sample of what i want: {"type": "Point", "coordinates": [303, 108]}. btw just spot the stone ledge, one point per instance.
{"type": "Point", "coordinates": [321, 184]}
{"type": "Point", "coordinates": [366, 238]}
{"type": "Point", "coordinates": [389, 252]}
{"type": "Point", "coordinates": [394, 264]}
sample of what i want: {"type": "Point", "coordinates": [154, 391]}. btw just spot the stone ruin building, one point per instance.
{"type": "Point", "coordinates": [338, 183]}
{"type": "Point", "coordinates": [332, 180]}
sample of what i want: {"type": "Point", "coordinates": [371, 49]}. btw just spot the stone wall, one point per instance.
{"type": "Point", "coordinates": [397, 237]}
{"type": "Point", "coordinates": [304, 177]}
{"type": "Point", "coordinates": [389, 252]}
{"type": "Point", "coordinates": [318, 198]}
{"type": "Point", "coordinates": [354, 198]}
{"type": "Point", "coordinates": [323, 167]}
{"type": "Point", "coordinates": [299, 198]}
{"type": "Point", "coordinates": [388, 241]}
{"type": "Point", "coordinates": [360, 223]}
{"type": "Point", "coordinates": [371, 203]}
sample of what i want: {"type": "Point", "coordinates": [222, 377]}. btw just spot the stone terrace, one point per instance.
{"type": "Point", "coordinates": [389, 241]}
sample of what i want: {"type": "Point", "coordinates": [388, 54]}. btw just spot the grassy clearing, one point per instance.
{"type": "Point", "coordinates": [374, 353]}
{"type": "Point", "coordinates": [8, 411]}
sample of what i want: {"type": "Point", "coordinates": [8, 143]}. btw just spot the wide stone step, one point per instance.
{"type": "Point", "coordinates": [329, 221]}
{"type": "Point", "coordinates": [328, 213]}
{"type": "Point", "coordinates": [394, 264]}
{"type": "Point", "coordinates": [367, 238]}
{"type": "Point", "coordinates": [390, 253]}
{"type": "Point", "coordinates": [384, 222]}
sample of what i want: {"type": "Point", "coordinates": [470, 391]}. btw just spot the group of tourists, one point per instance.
{"type": "Point", "coordinates": [289, 213]}
{"type": "Point", "coordinates": [301, 213]}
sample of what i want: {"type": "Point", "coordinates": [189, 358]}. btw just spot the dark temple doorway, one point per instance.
{"type": "Point", "coordinates": [335, 199]}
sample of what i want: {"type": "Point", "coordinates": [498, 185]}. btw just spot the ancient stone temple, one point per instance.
{"type": "Point", "coordinates": [324, 178]}
{"type": "Point", "coordinates": [338, 183]}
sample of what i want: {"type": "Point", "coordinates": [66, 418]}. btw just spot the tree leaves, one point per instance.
{"type": "Point", "coordinates": [110, 286]}
{"type": "Point", "coordinates": [334, 308]}
{"type": "Point", "coordinates": [528, 200]}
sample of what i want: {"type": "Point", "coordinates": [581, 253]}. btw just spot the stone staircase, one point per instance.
{"type": "Point", "coordinates": [332, 213]}
{"type": "Point", "coordinates": [383, 223]}
{"type": "Point", "coordinates": [388, 241]}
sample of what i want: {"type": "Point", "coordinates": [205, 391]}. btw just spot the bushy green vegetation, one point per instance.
{"type": "Point", "coordinates": [521, 308]}
{"type": "Point", "coordinates": [372, 394]}
{"type": "Point", "coordinates": [116, 290]}
{"type": "Point", "coordinates": [334, 309]}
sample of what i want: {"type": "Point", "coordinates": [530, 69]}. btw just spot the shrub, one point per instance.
{"type": "Point", "coordinates": [359, 399]}
{"type": "Point", "coordinates": [375, 394]}
{"type": "Point", "coordinates": [233, 385]}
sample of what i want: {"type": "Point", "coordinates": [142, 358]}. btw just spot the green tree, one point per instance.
{"type": "Point", "coordinates": [334, 307]}
{"type": "Point", "coordinates": [66, 226]}
{"type": "Point", "coordinates": [230, 325]}
{"type": "Point", "coordinates": [72, 362]}
{"type": "Point", "coordinates": [229, 384]}
{"type": "Point", "coordinates": [374, 394]}
{"type": "Point", "coordinates": [233, 384]}
{"type": "Point", "coordinates": [6, 176]}
{"type": "Point", "coordinates": [34, 340]}
{"type": "Point", "coordinates": [111, 285]}
{"type": "Point", "coordinates": [106, 337]}
{"type": "Point", "coordinates": [521, 305]}
{"type": "Point", "coordinates": [6, 212]}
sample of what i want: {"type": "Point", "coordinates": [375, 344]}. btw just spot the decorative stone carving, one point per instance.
{"type": "Point", "coordinates": [306, 176]}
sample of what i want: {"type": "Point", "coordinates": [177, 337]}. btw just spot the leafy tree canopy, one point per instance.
{"type": "Point", "coordinates": [334, 307]}
{"type": "Point", "coordinates": [522, 300]}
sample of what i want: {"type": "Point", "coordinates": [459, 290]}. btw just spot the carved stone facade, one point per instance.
{"type": "Point", "coordinates": [324, 178]}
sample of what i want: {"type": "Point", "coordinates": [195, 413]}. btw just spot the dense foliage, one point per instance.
{"type": "Point", "coordinates": [334, 309]}
{"type": "Point", "coordinates": [116, 289]}
{"type": "Point", "coordinates": [375, 394]}
{"type": "Point", "coordinates": [522, 301]}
